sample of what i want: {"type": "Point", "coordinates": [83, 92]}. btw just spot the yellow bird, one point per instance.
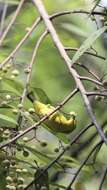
{"type": "Point", "coordinates": [57, 122]}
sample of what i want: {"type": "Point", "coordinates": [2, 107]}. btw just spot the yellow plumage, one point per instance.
{"type": "Point", "coordinates": [57, 122]}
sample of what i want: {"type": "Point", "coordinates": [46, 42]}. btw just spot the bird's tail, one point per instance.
{"type": "Point", "coordinates": [31, 96]}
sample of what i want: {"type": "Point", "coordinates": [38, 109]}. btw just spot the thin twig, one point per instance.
{"type": "Point", "coordinates": [96, 94]}
{"type": "Point", "coordinates": [91, 80]}
{"type": "Point", "coordinates": [88, 70]}
{"type": "Point", "coordinates": [86, 52]}
{"type": "Point", "coordinates": [39, 5]}
{"type": "Point", "coordinates": [83, 164]}
{"type": "Point", "coordinates": [55, 15]}
{"type": "Point", "coordinates": [12, 21]}
{"type": "Point", "coordinates": [94, 7]}
{"type": "Point", "coordinates": [66, 99]}
{"type": "Point", "coordinates": [103, 179]}
{"type": "Point", "coordinates": [81, 11]}
{"type": "Point", "coordinates": [86, 143]}
{"type": "Point", "coordinates": [29, 68]}
{"type": "Point", "coordinates": [12, 54]}
{"type": "Point", "coordinates": [62, 153]}
{"type": "Point", "coordinates": [3, 18]}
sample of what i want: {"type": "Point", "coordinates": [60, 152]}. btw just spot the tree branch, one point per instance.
{"type": "Point", "coordinates": [55, 15]}
{"type": "Point", "coordinates": [66, 99]}
{"type": "Point", "coordinates": [12, 54]}
{"type": "Point", "coordinates": [68, 62]}
{"type": "Point", "coordinates": [11, 22]}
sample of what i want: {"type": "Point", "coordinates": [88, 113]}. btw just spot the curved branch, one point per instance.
{"type": "Point", "coordinates": [86, 52]}
{"type": "Point", "coordinates": [55, 15]}
{"type": "Point", "coordinates": [29, 68]}
{"type": "Point", "coordinates": [81, 11]}
{"type": "Point", "coordinates": [91, 80]}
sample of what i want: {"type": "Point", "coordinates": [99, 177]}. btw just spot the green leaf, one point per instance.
{"type": "Point", "coordinates": [74, 29]}
{"type": "Point", "coordinates": [14, 84]}
{"type": "Point", "coordinates": [42, 156]}
{"type": "Point", "coordinates": [71, 162]}
{"type": "Point", "coordinates": [87, 43]}
{"type": "Point", "coordinates": [4, 120]}
{"type": "Point", "coordinates": [41, 95]}
{"type": "Point", "coordinates": [61, 136]}
{"type": "Point", "coordinates": [5, 92]}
